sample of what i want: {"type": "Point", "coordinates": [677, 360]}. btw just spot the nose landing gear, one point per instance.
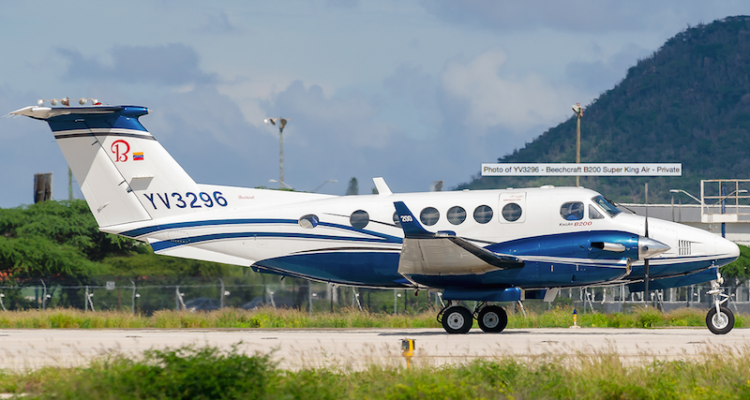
{"type": "Point", "coordinates": [458, 319]}
{"type": "Point", "coordinates": [720, 320]}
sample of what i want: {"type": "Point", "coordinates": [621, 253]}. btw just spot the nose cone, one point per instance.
{"type": "Point", "coordinates": [648, 247]}
{"type": "Point", "coordinates": [725, 250]}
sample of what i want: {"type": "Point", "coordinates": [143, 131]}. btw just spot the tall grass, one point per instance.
{"type": "Point", "coordinates": [284, 318]}
{"type": "Point", "coordinates": [640, 318]}
{"type": "Point", "coordinates": [208, 373]}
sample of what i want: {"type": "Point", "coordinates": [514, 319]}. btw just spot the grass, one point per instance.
{"type": "Point", "coordinates": [270, 318]}
{"type": "Point", "coordinates": [208, 373]}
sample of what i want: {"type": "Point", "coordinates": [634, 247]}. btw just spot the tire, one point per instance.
{"type": "Point", "coordinates": [457, 319]}
{"type": "Point", "coordinates": [492, 319]}
{"type": "Point", "coordinates": [720, 323]}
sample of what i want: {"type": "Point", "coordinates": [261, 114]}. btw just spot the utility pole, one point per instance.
{"type": "Point", "coordinates": [282, 124]}
{"type": "Point", "coordinates": [70, 184]}
{"type": "Point", "coordinates": [578, 110]}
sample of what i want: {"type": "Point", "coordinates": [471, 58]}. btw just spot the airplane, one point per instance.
{"type": "Point", "coordinates": [487, 246]}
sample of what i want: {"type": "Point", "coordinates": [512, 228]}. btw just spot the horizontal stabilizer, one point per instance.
{"type": "Point", "coordinates": [45, 113]}
{"type": "Point", "coordinates": [674, 282]}
{"type": "Point", "coordinates": [427, 253]}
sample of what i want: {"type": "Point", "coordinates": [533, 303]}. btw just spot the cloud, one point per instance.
{"type": "Point", "coordinates": [347, 4]}
{"type": "Point", "coordinates": [603, 73]}
{"type": "Point", "coordinates": [172, 65]}
{"type": "Point", "coordinates": [28, 148]}
{"type": "Point", "coordinates": [418, 90]}
{"type": "Point", "coordinates": [349, 118]}
{"type": "Point", "coordinates": [570, 15]}
{"type": "Point", "coordinates": [207, 134]}
{"type": "Point", "coordinates": [482, 99]}
{"type": "Point", "coordinates": [219, 24]}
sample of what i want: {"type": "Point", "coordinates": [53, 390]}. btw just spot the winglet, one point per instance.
{"type": "Point", "coordinates": [381, 186]}
{"type": "Point", "coordinates": [412, 228]}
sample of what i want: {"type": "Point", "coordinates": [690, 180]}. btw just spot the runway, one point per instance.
{"type": "Point", "coordinates": [355, 348]}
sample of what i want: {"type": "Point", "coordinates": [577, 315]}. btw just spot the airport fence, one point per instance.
{"type": "Point", "coordinates": [146, 295]}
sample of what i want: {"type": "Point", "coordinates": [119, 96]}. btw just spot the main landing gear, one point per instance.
{"type": "Point", "coordinates": [458, 319]}
{"type": "Point", "coordinates": [719, 319]}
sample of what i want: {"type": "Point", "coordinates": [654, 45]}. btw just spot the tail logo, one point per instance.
{"type": "Point", "coordinates": [117, 146]}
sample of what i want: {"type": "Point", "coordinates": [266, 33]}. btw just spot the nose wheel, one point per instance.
{"type": "Point", "coordinates": [720, 320]}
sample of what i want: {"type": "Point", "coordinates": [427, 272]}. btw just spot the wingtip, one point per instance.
{"type": "Point", "coordinates": [409, 223]}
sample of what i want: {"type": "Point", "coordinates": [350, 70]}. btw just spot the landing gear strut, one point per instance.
{"type": "Point", "coordinates": [720, 320]}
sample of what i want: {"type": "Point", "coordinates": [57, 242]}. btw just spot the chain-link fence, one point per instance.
{"type": "Point", "coordinates": [200, 294]}
{"type": "Point", "coordinates": [148, 294]}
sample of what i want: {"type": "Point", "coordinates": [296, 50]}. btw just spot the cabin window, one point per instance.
{"type": "Point", "coordinates": [512, 212]}
{"type": "Point", "coordinates": [429, 216]}
{"type": "Point", "coordinates": [572, 211]}
{"type": "Point", "coordinates": [359, 219]}
{"type": "Point", "coordinates": [396, 219]}
{"type": "Point", "coordinates": [483, 214]}
{"type": "Point", "coordinates": [308, 221]}
{"type": "Point", "coordinates": [593, 213]}
{"type": "Point", "coordinates": [456, 215]}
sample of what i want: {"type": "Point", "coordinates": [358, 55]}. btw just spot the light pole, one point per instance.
{"type": "Point", "coordinates": [578, 110]}
{"type": "Point", "coordinates": [321, 185]}
{"type": "Point", "coordinates": [282, 124]}
{"type": "Point", "coordinates": [281, 184]}
{"type": "Point", "coordinates": [689, 195]}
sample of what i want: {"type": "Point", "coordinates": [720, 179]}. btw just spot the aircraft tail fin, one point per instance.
{"type": "Point", "coordinates": [124, 173]}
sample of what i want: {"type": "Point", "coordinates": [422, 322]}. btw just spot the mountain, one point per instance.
{"type": "Point", "coordinates": [689, 102]}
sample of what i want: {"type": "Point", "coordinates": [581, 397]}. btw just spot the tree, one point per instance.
{"type": "Point", "coordinates": [739, 269]}
{"type": "Point", "coordinates": [353, 188]}
{"type": "Point", "coordinates": [54, 238]}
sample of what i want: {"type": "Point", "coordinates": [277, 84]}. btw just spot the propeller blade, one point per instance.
{"type": "Point", "coordinates": [646, 235]}
{"type": "Point", "coordinates": [645, 281]}
{"type": "Point", "coordinates": [645, 261]}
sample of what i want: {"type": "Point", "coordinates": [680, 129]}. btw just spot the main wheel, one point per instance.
{"type": "Point", "coordinates": [492, 319]}
{"type": "Point", "coordinates": [457, 319]}
{"type": "Point", "coordinates": [720, 323]}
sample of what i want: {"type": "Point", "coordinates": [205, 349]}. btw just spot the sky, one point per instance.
{"type": "Point", "coordinates": [413, 91]}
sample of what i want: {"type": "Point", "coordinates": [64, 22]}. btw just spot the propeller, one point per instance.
{"type": "Point", "coordinates": [645, 260]}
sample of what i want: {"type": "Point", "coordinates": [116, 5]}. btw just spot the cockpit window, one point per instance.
{"type": "Point", "coordinates": [594, 213]}
{"type": "Point", "coordinates": [606, 206]}
{"type": "Point", "coordinates": [572, 211]}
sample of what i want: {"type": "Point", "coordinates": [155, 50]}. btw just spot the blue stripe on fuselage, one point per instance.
{"type": "Point", "coordinates": [167, 244]}
{"type": "Point", "coordinates": [194, 224]}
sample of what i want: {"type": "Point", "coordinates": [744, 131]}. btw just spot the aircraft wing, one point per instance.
{"type": "Point", "coordinates": [444, 253]}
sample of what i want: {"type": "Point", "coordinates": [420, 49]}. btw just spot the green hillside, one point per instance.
{"type": "Point", "coordinates": [689, 102]}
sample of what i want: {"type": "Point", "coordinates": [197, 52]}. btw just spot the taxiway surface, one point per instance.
{"type": "Point", "coordinates": [299, 348]}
